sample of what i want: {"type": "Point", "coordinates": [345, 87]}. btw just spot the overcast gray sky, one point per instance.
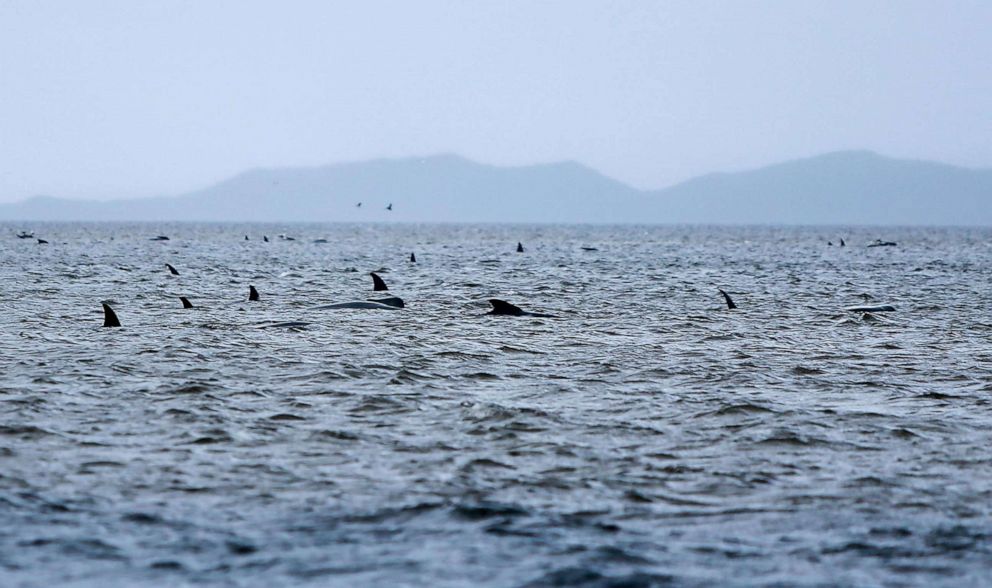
{"type": "Point", "coordinates": [116, 99]}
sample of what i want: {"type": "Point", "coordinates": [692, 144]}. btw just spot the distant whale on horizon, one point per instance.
{"type": "Point", "coordinates": [504, 308]}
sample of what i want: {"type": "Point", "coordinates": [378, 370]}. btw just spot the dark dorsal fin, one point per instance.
{"type": "Point", "coordinates": [504, 307]}
{"type": "Point", "coordinates": [520, 247]}
{"type": "Point", "coordinates": [172, 270]}
{"type": "Point", "coordinates": [252, 293]}
{"type": "Point", "coordinates": [110, 317]}
{"type": "Point", "coordinates": [730, 301]}
{"type": "Point", "coordinates": [842, 242]}
{"type": "Point", "coordinates": [42, 242]}
{"type": "Point", "coordinates": [186, 302]}
{"type": "Point", "coordinates": [377, 284]}
{"type": "Point", "coordinates": [413, 258]}
{"type": "Point", "coordinates": [246, 237]}
{"type": "Point", "coordinates": [265, 238]}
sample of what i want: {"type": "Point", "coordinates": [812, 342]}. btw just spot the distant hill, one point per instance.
{"type": "Point", "coordinates": [845, 187]}
{"type": "Point", "coordinates": [851, 187]}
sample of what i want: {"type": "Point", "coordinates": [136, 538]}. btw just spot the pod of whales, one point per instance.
{"type": "Point", "coordinates": [504, 308]}
{"type": "Point", "coordinates": [110, 317]}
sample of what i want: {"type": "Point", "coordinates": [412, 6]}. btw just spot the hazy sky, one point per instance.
{"type": "Point", "coordinates": [114, 99]}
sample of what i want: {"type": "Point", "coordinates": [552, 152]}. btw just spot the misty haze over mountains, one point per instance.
{"type": "Point", "coordinates": [848, 187]}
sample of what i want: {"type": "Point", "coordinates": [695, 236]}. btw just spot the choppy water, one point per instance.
{"type": "Point", "coordinates": [646, 436]}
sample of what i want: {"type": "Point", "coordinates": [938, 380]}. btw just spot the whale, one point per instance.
{"type": "Point", "coordinates": [109, 316]}
{"type": "Point", "coordinates": [413, 258]}
{"type": "Point", "coordinates": [42, 242]}
{"type": "Point", "coordinates": [504, 308]}
{"type": "Point", "coordinates": [728, 299]}
{"type": "Point", "coordinates": [285, 325]}
{"type": "Point", "coordinates": [378, 285]}
{"type": "Point", "coordinates": [387, 303]}
{"type": "Point", "coordinates": [252, 293]}
{"type": "Point", "coordinates": [186, 302]}
{"type": "Point", "coordinates": [172, 270]}
{"type": "Point", "coordinates": [520, 247]}
{"type": "Point", "coordinates": [881, 243]}
{"type": "Point", "coordinates": [879, 308]}
{"type": "Point", "coordinates": [359, 305]}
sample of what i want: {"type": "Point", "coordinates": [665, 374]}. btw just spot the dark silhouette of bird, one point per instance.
{"type": "Point", "coordinates": [390, 207]}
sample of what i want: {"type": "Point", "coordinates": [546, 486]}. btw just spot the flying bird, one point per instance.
{"type": "Point", "coordinates": [390, 207]}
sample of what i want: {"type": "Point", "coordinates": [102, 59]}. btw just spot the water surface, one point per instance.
{"type": "Point", "coordinates": [646, 436]}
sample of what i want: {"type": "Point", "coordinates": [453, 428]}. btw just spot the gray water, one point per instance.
{"type": "Point", "coordinates": [646, 436]}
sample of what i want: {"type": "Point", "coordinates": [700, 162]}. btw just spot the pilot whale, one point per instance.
{"type": "Point", "coordinates": [360, 305]}
{"type": "Point", "coordinates": [730, 301]}
{"type": "Point", "coordinates": [880, 308]}
{"type": "Point", "coordinates": [378, 285]}
{"type": "Point", "coordinates": [252, 293]}
{"type": "Point", "coordinates": [172, 270]}
{"type": "Point", "coordinates": [186, 302]}
{"type": "Point", "coordinates": [110, 317]}
{"type": "Point", "coordinates": [504, 308]}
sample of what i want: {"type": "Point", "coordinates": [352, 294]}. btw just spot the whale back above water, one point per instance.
{"type": "Point", "coordinates": [389, 301]}
{"type": "Point", "coordinates": [172, 270]}
{"type": "Point", "coordinates": [504, 308]}
{"type": "Point", "coordinates": [378, 285]}
{"type": "Point", "coordinates": [110, 317]}
{"type": "Point", "coordinates": [879, 308]}
{"type": "Point", "coordinates": [358, 305]}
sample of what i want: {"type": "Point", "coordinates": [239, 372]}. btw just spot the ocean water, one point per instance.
{"type": "Point", "coordinates": [645, 436]}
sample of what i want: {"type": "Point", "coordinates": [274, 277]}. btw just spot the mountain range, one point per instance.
{"type": "Point", "coordinates": [845, 187]}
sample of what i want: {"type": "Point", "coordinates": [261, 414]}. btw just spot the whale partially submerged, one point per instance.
{"type": "Point", "coordinates": [186, 302]}
{"type": "Point", "coordinates": [110, 317]}
{"type": "Point", "coordinates": [879, 308]}
{"type": "Point", "coordinates": [388, 303]}
{"type": "Point", "coordinates": [284, 325]}
{"type": "Point", "coordinates": [504, 308]}
{"type": "Point", "coordinates": [881, 243]}
{"type": "Point", "coordinates": [252, 294]}
{"type": "Point", "coordinates": [378, 285]}
{"type": "Point", "coordinates": [728, 299]}
{"type": "Point", "coordinates": [360, 305]}
{"type": "Point", "coordinates": [172, 270]}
